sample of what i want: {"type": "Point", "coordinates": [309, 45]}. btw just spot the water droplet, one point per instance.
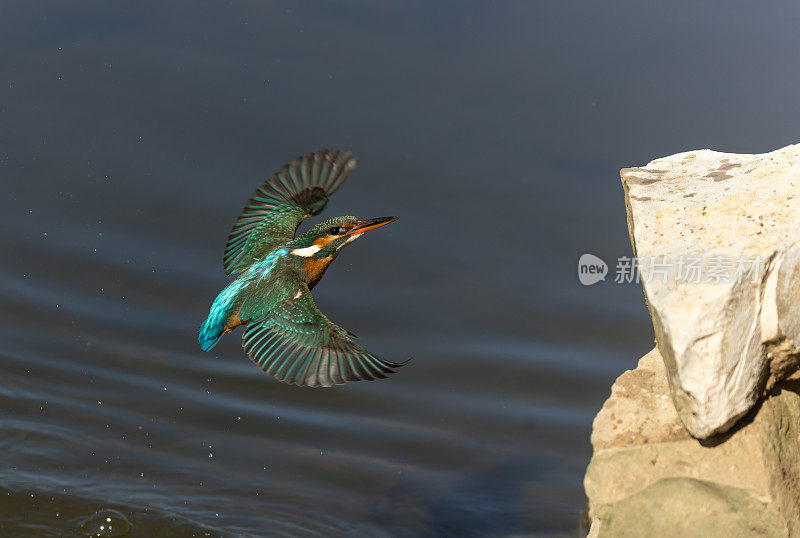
{"type": "Point", "coordinates": [102, 523]}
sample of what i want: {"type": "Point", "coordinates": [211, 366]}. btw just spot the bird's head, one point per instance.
{"type": "Point", "coordinates": [326, 239]}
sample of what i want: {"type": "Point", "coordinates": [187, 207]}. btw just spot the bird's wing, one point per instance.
{"type": "Point", "coordinates": [298, 190]}
{"type": "Point", "coordinates": [297, 344]}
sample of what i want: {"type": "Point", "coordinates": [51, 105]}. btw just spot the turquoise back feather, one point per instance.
{"type": "Point", "coordinates": [230, 300]}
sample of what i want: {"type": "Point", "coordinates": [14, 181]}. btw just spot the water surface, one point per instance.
{"type": "Point", "coordinates": [131, 136]}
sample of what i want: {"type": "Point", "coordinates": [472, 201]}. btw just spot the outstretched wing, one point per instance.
{"type": "Point", "coordinates": [298, 190]}
{"type": "Point", "coordinates": [297, 344]}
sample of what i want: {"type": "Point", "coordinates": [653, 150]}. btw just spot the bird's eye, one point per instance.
{"type": "Point", "coordinates": [335, 230]}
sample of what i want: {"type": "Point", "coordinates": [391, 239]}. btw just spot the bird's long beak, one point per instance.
{"type": "Point", "coordinates": [370, 224]}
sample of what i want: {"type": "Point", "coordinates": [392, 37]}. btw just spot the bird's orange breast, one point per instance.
{"type": "Point", "coordinates": [314, 269]}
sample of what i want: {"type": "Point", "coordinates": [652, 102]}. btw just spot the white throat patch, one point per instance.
{"type": "Point", "coordinates": [306, 252]}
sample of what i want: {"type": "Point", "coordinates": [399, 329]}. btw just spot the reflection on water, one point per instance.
{"type": "Point", "coordinates": [131, 136]}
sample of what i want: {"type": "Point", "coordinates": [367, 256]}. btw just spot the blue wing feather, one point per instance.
{"type": "Point", "coordinates": [297, 344]}
{"type": "Point", "coordinates": [276, 208]}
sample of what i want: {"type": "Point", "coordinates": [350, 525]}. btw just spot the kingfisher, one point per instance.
{"type": "Point", "coordinates": [285, 333]}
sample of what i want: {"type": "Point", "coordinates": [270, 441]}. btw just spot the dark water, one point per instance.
{"type": "Point", "coordinates": [130, 137]}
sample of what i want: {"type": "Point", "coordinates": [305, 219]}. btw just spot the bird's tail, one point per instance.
{"type": "Point", "coordinates": [215, 325]}
{"type": "Point", "coordinates": [210, 333]}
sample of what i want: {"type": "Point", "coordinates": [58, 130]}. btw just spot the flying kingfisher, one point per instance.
{"type": "Point", "coordinates": [286, 334]}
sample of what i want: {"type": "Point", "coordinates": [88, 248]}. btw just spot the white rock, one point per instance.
{"type": "Point", "coordinates": [648, 477]}
{"type": "Point", "coordinates": [716, 237]}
